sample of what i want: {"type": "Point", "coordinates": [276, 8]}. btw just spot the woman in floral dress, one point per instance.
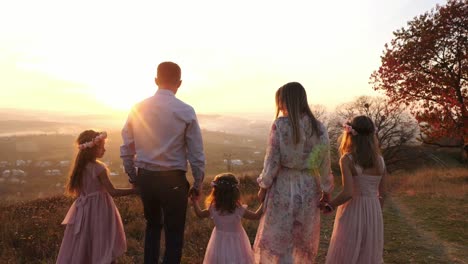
{"type": "Point", "coordinates": [295, 177]}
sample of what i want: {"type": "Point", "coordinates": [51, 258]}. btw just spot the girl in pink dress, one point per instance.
{"type": "Point", "coordinates": [358, 230]}
{"type": "Point", "coordinates": [94, 232]}
{"type": "Point", "coordinates": [228, 242]}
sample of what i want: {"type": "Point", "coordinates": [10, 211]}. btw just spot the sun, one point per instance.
{"type": "Point", "coordinates": [119, 99]}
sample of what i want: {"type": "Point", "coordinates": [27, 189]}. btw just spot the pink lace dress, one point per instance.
{"type": "Point", "coordinates": [229, 243]}
{"type": "Point", "coordinates": [94, 232]}
{"type": "Point", "coordinates": [358, 230]}
{"type": "Point", "coordinates": [289, 230]}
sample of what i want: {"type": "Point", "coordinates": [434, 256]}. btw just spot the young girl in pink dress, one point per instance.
{"type": "Point", "coordinates": [94, 232]}
{"type": "Point", "coordinates": [358, 230]}
{"type": "Point", "coordinates": [228, 242]}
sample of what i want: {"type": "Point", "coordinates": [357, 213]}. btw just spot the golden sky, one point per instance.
{"type": "Point", "coordinates": [90, 56]}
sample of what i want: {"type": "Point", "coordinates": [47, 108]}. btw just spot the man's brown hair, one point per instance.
{"type": "Point", "coordinates": [168, 72]}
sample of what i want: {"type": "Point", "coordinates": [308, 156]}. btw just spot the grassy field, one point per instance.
{"type": "Point", "coordinates": [425, 222]}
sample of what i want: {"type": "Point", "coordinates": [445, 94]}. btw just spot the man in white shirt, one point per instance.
{"type": "Point", "coordinates": [160, 135]}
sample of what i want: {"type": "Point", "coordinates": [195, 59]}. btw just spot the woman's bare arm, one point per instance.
{"type": "Point", "coordinates": [253, 215]}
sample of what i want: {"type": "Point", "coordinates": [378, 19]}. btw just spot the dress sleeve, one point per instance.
{"type": "Point", "coordinates": [272, 162]}
{"type": "Point", "coordinates": [326, 175]}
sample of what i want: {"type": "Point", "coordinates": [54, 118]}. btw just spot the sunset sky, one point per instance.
{"type": "Point", "coordinates": [100, 56]}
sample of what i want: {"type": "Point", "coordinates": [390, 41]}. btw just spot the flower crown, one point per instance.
{"type": "Point", "coordinates": [349, 129]}
{"type": "Point", "coordinates": [99, 138]}
{"type": "Point", "coordinates": [224, 183]}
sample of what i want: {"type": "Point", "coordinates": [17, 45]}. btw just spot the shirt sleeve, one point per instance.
{"type": "Point", "coordinates": [272, 161]}
{"type": "Point", "coordinates": [195, 154]}
{"type": "Point", "coordinates": [127, 149]}
{"type": "Point", "coordinates": [326, 175]}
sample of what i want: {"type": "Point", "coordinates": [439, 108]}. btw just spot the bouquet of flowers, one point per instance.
{"type": "Point", "coordinates": [316, 158]}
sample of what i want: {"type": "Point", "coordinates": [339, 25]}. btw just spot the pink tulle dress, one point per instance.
{"type": "Point", "coordinates": [228, 243]}
{"type": "Point", "coordinates": [94, 232]}
{"type": "Point", "coordinates": [358, 230]}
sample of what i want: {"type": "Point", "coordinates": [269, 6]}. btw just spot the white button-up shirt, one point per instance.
{"type": "Point", "coordinates": [162, 133]}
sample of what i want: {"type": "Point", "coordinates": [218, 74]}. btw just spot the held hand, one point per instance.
{"type": "Point", "coordinates": [194, 193]}
{"type": "Point", "coordinates": [326, 208]}
{"type": "Point", "coordinates": [261, 194]}
{"type": "Point", "coordinates": [325, 197]}
{"type": "Point", "coordinates": [135, 189]}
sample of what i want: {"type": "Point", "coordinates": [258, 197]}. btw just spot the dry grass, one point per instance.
{"type": "Point", "coordinates": [30, 232]}
{"type": "Point", "coordinates": [435, 203]}
{"type": "Point", "coordinates": [450, 183]}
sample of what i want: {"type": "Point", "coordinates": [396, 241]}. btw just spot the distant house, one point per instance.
{"type": "Point", "coordinates": [4, 163]}
{"type": "Point", "coordinates": [256, 152]}
{"type": "Point", "coordinates": [20, 163]}
{"type": "Point", "coordinates": [113, 174]}
{"type": "Point", "coordinates": [236, 162]}
{"type": "Point", "coordinates": [53, 172]}
{"type": "Point", "coordinates": [6, 173]}
{"type": "Point", "coordinates": [43, 163]}
{"type": "Point", "coordinates": [18, 173]}
{"type": "Point", "coordinates": [64, 163]}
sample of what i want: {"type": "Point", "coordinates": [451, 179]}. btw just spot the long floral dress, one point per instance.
{"type": "Point", "coordinates": [289, 230]}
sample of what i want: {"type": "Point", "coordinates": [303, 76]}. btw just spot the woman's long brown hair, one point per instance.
{"type": "Point", "coordinates": [364, 146]}
{"type": "Point", "coordinates": [75, 179]}
{"type": "Point", "coordinates": [292, 97]}
{"type": "Point", "coordinates": [225, 194]}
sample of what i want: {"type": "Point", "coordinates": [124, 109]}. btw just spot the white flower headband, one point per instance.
{"type": "Point", "coordinates": [349, 129]}
{"type": "Point", "coordinates": [225, 183]}
{"type": "Point", "coordinates": [94, 142]}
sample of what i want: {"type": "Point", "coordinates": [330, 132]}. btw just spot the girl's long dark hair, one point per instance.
{"type": "Point", "coordinates": [225, 194]}
{"type": "Point", "coordinates": [364, 146]}
{"type": "Point", "coordinates": [75, 179]}
{"type": "Point", "coordinates": [292, 97]}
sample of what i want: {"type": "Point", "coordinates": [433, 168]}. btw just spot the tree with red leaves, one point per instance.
{"type": "Point", "coordinates": [426, 67]}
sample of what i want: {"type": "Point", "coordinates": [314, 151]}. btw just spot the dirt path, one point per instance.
{"type": "Point", "coordinates": [444, 250]}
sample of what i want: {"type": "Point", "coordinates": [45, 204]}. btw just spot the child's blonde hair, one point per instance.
{"type": "Point", "coordinates": [361, 142]}
{"type": "Point", "coordinates": [85, 154]}
{"type": "Point", "coordinates": [225, 193]}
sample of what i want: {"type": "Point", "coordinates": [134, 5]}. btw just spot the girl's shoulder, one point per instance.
{"type": "Point", "coordinates": [346, 157]}
{"type": "Point", "coordinates": [240, 210]}
{"type": "Point", "coordinates": [97, 166]}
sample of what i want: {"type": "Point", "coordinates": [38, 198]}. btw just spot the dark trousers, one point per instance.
{"type": "Point", "coordinates": [164, 195]}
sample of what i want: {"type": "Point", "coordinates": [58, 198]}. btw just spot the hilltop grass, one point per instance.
{"type": "Point", "coordinates": [434, 201]}
{"type": "Point", "coordinates": [424, 223]}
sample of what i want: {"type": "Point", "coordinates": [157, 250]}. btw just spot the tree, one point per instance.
{"type": "Point", "coordinates": [425, 67]}
{"type": "Point", "coordinates": [320, 113]}
{"type": "Point", "coordinates": [396, 127]}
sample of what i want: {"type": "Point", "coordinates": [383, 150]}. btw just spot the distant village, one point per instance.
{"type": "Point", "coordinates": [17, 172]}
